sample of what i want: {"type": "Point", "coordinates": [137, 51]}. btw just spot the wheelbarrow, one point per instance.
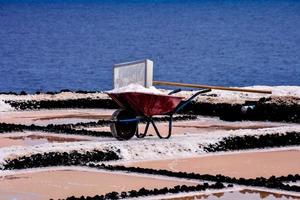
{"type": "Point", "coordinates": [137, 107]}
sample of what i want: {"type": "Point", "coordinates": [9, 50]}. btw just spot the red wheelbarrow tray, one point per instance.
{"type": "Point", "coordinates": [146, 104]}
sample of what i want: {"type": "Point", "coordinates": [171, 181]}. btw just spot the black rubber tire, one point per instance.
{"type": "Point", "coordinates": [123, 131]}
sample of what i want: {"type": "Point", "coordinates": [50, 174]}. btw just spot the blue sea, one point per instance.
{"type": "Point", "coordinates": [54, 45]}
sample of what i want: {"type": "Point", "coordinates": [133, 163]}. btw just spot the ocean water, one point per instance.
{"type": "Point", "coordinates": [53, 45]}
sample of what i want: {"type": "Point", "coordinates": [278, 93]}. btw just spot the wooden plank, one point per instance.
{"type": "Point", "coordinates": [210, 87]}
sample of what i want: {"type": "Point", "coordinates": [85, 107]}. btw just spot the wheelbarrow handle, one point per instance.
{"type": "Point", "coordinates": [175, 91]}
{"type": "Point", "coordinates": [182, 105]}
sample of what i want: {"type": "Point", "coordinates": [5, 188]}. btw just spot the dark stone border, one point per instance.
{"type": "Point", "coordinates": [255, 141]}
{"type": "Point", "coordinates": [63, 129]}
{"type": "Point", "coordinates": [70, 128]}
{"type": "Point", "coordinates": [272, 182]}
{"type": "Point", "coordinates": [59, 158]}
{"type": "Point", "coordinates": [70, 103]}
{"type": "Point", "coordinates": [51, 92]}
{"type": "Point", "coordinates": [148, 192]}
{"type": "Point", "coordinates": [226, 144]}
{"type": "Point", "coordinates": [256, 110]}
{"type": "Point", "coordinates": [108, 122]}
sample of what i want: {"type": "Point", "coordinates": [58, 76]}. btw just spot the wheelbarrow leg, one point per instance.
{"type": "Point", "coordinates": [138, 135]}
{"type": "Point", "coordinates": [170, 125]}
{"type": "Point", "coordinates": [157, 132]}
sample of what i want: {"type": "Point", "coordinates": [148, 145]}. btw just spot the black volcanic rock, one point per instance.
{"type": "Point", "coordinates": [256, 141]}
{"type": "Point", "coordinates": [59, 159]}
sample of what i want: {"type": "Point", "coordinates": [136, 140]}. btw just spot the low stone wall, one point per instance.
{"type": "Point", "coordinates": [63, 129]}
{"type": "Point", "coordinates": [256, 141]}
{"type": "Point", "coordinates": [265, 109]}
{"type": "Point", "coordinates": [148, 192]}
{"type": "Point", "coordinates": [59, 159]}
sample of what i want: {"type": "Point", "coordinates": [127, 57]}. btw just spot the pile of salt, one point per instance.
{"type": "Point", "coordinates": [136, 88]}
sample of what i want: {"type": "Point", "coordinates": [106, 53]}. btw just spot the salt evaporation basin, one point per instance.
{"type": "Point", "coordinates": [246, 194]}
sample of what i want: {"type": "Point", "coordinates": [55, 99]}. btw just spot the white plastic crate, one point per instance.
{"type": "Point", "coordinates": [140, 72]}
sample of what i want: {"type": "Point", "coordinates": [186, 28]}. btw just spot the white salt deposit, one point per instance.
{"type": "Point", "coordinates": [136, 88]}
{"type": "Point", "coordinates": [215, 96]}
{"type": "Point", "coordinates": [279, 90]}
{"type": "Point", "coordinates": [297, 183]}
{"type": "Point", "coordinates": [54, 97]}
{"type": "Point", "coordinates": [150, 148]}
{"type": "Point", "coordinates": [276, 91]}
{"type": "Point", "coordinates": [4, 107]}
{"type": "Point", "coordinates": [222, 96]}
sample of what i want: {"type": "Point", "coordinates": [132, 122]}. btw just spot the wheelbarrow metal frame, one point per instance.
{"type": "Point", "coordinates": [149, 119]}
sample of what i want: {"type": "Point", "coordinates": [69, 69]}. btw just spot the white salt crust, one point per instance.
{"type": "Point", "coordinates": [136, 88]}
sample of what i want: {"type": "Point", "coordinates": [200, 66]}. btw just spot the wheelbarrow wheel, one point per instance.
{"type": "Point", "coordinates": [123, 130]}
